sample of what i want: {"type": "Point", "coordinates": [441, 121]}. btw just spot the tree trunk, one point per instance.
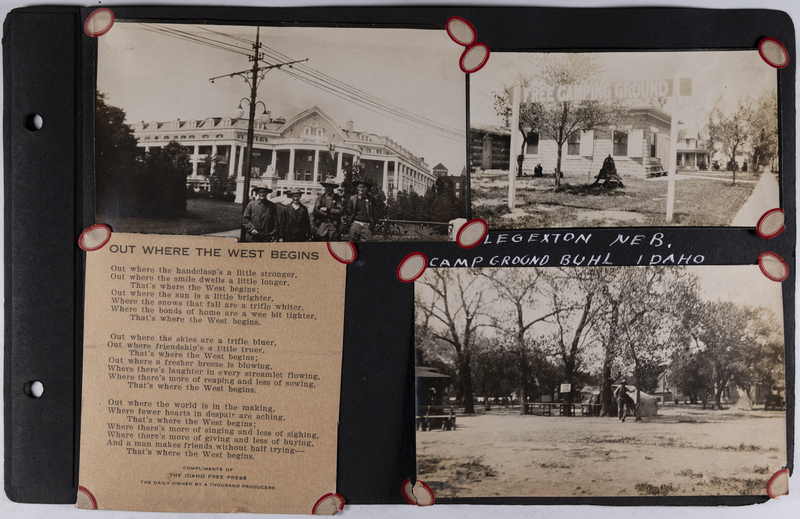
{"type": "Point", "coordinates": [466, 384]}
{"type": "Point", "coordinates": [605, 391]}
{"type": "Point", "coordinates": [558, 164]}
{"type": "Point", "coordinates": [523, 382]}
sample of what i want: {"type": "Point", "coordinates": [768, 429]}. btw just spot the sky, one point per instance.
{"type": "Point", "coordinates": [719, 78]}
{"type": "Point", "coordinates": [155, 77]}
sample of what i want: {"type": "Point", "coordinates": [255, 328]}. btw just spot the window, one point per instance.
{"type": "Point", "coordinates": [653, 141]}
{"type": "Point", "coordinates": [306, 131]}
{"type": "Point", "coordinates": [532, 143]}
{"type": "Point", "coordinates": [320, 132]}
{"type": "Point", "coordinates": [574, 144]}
{"type": "Point", "coordinates": [620, 144]}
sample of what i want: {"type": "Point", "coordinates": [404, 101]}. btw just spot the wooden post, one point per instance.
{"type": "Point", "coordinates": [512, 155]}
{"type": "Point", "coordinates": [673, 151]}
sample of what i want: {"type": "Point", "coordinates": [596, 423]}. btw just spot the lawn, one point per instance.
{"type": "Point", "coordinates": [642, 202]}
{"type": "Point", "coordinates": [202, 217]}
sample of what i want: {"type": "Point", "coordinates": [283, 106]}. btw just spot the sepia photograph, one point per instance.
{"type": "Point", "coordinates": [280, 133]}
{"type": "Point", "coordinates": [601, 382]}
{"type": "Point", "coordinates": [624, 139]}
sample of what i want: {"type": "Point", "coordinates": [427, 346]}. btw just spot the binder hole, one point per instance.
{"type": "Point", "coordinates": [34, 389]}
{"type": "Point", "coordinates": [33, 122]}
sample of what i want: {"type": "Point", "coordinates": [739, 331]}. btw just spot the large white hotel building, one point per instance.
{"type": "Point", "coordinates": [299, 152]}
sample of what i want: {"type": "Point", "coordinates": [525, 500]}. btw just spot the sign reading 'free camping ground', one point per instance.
{"type": "Point", "coordinates": [605, 90]}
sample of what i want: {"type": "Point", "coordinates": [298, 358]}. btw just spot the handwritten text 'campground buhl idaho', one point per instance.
{"type": "Point", "coordinates": [561, 239]}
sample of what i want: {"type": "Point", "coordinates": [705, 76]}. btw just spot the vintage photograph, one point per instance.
{"type": "Point", "coordinates": [280, 133]}
{"type": "Point", "coordinates": [605, 382]}
{"type": "Point", "coordinates": [593, 134]}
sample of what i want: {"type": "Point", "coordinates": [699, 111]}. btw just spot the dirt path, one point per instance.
{"type": "Point", "coordinates": [677, 453]}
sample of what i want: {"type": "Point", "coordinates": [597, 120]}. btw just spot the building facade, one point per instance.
{"type": "Point", "coordinates": [489, 147]}
{"type": "Point", "coordinates": [299, 153]}
{"type": "Point", "coordinates": [639, 145]}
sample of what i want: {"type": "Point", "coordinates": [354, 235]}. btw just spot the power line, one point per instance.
{"type": "Point", "coordinates": [316, 78]}
{"type": "Point", "coordinates": [322, 81]}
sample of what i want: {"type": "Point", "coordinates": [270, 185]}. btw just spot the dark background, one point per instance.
{"type": "Point", "coordinates": [48, 69]}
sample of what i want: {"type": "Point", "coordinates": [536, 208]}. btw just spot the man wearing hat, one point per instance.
{"type": "Point", "coordinates": [361, 212]}
{"type": "Point", "coordinates": [295, 223]}
{"type": "Point", "coordinates": [328, 212]}
{"type": "Point", "coordinates": [260, 218]}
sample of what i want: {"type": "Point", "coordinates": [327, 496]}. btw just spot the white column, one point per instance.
{"type": "Point", "coordinates": [315, 176]}
{"type": "Point", "coordinates": [290, 175]}
{"type": "Point", "coordinates": [241, 162]}
{"type": "Point", "coordinates": [385, 176]}
{"type": "Point", "coordinates": [338, 163]}
{"type": "Point", "coordinates": [231, 155]}
{"type": "Point", "coordinates": [398, 174]}
{"type": "Point", "coordinates": [273, 162]}
{"type": "Point", "coordinates": [194, 160]}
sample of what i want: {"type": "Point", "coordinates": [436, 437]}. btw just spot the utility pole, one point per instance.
{"type": "Point", "coordinates": [253, 77]}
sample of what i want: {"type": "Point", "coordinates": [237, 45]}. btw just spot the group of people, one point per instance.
{"type": "Point", "coordinates": [331, 219]}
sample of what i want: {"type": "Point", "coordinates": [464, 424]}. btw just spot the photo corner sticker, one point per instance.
{"type": "Point", "coordinates": [773, 52]}
{"type": "Point", "coordinates": [778, 484]}
{"type": "Point", "coordinates": [472, 233]}
{"type": "Point", "coordinates": [412, 267]}
{"type": "Point", "coordinates": [99, 22]}
{"type": "Point", "coordinates": [329, 504]}
{"type": "Point", "coordinates": [418, 494]}
{"type": "Point", "coordinates": [476, 54]}
{"type": "Point", "coordinates": [86, 500]}
{"type": "Point", "coordinates": [94, 237]}
{"type": "Point", "coordinates": [773, 266]}
{"type": "Point", "coordinates": [771, 223]}
{"type": "Point", "coordinates": [343, 251]}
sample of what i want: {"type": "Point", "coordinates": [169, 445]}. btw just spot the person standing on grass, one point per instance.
{"type": "Point", "coordinates": [621, 394]}
{"type": "Point", "coordinates": [361, 213]}
{"type": "Point", "coordinates": [328, 212]}
{"type": "Point", "coordinates": [295, 223]}
{"type": "Point", "coordinates": [260, 218]}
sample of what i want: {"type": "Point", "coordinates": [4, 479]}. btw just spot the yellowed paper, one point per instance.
{"type": "Point", "coordinates": [211, 375]}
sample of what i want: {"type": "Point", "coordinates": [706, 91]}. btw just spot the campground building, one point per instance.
{"type": "Point", "coordinates": [639, 145]}
{"type": "Point", "coordinates": [292, 154]}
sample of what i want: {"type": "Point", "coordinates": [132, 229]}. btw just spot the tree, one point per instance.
{"type": "Point", "coordinates": [722, 333]}
{"type": "Point", "coordinates": [220, 184]}
{"type": "Point", "coordinates": [115, 159]}
{"type": "Point", "coordinates": [518, 288]}
{"type": "Point", "coordinates": [560, 120]}
{"type": "Point", "coordinates": [451, 304]}
{"type": "Point", "coordinates": [763, 131]}
{"type": "Point", "coordinates": [574, 307]}
{"type": "Point", "coordinates": [161, 185]}
{"type": "Point", "coordinates": [731, 131]}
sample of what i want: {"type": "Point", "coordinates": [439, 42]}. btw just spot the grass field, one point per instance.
{"type": "Point", "coordinates": [642, 202]}
{"type": "Point", "coordinates": [202, 217]}
{"type": "Point", "coordinates": [678, 452]}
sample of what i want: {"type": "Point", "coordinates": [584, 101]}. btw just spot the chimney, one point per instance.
{"type": "Point", "coordinates": [349, 126]}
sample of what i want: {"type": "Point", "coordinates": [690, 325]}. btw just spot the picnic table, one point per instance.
{"type": "Point", "coordinates": [431, 417]}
